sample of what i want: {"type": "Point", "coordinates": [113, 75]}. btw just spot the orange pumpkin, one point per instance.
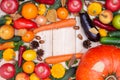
{"type": "Point", "coordinates": [100, 63]}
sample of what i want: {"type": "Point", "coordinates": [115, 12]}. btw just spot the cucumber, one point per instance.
{"type": "Point", "coordinates": [114, 34]}
{"type": "Point", "coordinates": [15, 39]}
{"type": "Point", "coordinates": [110, 41]}
{"type": "Point", "coordinates": [69, 73]}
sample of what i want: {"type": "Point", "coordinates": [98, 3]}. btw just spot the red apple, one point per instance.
{"type": "Point", "coordinates": [74, 6]}
{"type": "Point", "coordinates": [113, 5]}
{"type": "Point", "coordinates": [42, 70]}
{"type": "Point", "coordinates": [7, 70]}
{"type": "Point", "coordinates": [106, 16]}
{"type": "Point", "coordinates": [9, 6]}
{"type": "Point", "coordinates": [22, 76]}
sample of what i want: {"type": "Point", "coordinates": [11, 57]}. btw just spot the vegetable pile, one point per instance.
{"type": "Point", "coordinates": [23, 19]}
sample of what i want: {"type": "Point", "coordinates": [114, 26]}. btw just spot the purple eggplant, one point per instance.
{"type": "Point", "coordinates": [87, 24]}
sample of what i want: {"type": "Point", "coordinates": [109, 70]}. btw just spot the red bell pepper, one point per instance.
{"type": "Point", "coordinates": [49, 2]}
{"type": "Point", "coordinates": [22, 23]}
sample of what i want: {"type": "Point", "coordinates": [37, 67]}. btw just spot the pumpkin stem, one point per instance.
{"type": "Point", "coordinates": [111, 77]}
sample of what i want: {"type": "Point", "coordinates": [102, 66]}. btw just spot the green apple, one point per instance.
{"type": "Point", "coordinates": [116, 21]}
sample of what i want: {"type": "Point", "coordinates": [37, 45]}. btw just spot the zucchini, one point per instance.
{"type": "Point", "coordinates": [110, 41]}
{"type": "Point", "coordinates": [15, 39]}
{"type": "Point", "coordinates": [69, 73]}
{"type": "Point", "coordinates": [114, 34]}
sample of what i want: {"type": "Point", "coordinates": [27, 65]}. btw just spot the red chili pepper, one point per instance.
{"type": "Point", "coordinates": [21, 50]}
{"type": "Point", "coordinates": [49, 2]}
{"type": "Point", "coordinates": [22, 23]}
{"type": "Point", "coordinates": [104, 26]}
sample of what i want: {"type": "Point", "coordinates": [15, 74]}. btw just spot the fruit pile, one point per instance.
{"type": "Point", "coordinates": [23, 19]}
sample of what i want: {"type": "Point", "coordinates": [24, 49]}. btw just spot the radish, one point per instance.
{"type": "Point", "coordinates": [74, 6]}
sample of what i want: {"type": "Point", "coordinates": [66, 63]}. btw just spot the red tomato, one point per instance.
{"type": "Point", "coordinates": [7, 70]}
{"type": "Point", "coordinates": [100, 63]}
{"type": "Point", "coordinates": [9, 6]}
{"type": "Point", "coordinates": [42, 70]}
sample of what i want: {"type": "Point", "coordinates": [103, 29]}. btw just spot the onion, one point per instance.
{"type": "Point", "coordinates": [41, 20]}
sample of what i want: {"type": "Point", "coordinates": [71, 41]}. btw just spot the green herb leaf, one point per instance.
{"type": "Point", "coordinates": [69, 73]}
{"type": "Point", "coordinates": [67, 62]}
{"type": "Point", "coordinates": [17, 45]}
{"type": "Point", "coordinates": [56, 5]}
{"type": "Point", "coordinates": [2, 20]}
{"type": "Point", "coordinates": [18, 70]}
{"type": "Point", "coordinates": [1, 54]}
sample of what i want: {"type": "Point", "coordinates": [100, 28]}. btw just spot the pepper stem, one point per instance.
{"type": "Point", "coordinates": [111, 77]}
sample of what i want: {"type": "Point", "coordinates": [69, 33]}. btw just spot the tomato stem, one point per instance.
{"type": "Point", "coordinates": [111, 77]}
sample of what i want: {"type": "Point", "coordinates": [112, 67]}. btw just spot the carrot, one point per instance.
{"type": "Point", "coordinates": [7, 45]}
{"type": "Point", "coordinates": [60, 24]}
{"type": "Point", "coordinates": [61, 58]}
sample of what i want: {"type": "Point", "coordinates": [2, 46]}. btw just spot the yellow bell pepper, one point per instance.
{"type": "Point", "coordinates": [94, 8]}
{"type": "Point", "coordinates": [41, 9]}
{"type": "Point", "coordinates": [57, 71]}
{"type": "Point", "coordinates": [8, 20]}
{"type": "Point", "coordinates": [102, 32]}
